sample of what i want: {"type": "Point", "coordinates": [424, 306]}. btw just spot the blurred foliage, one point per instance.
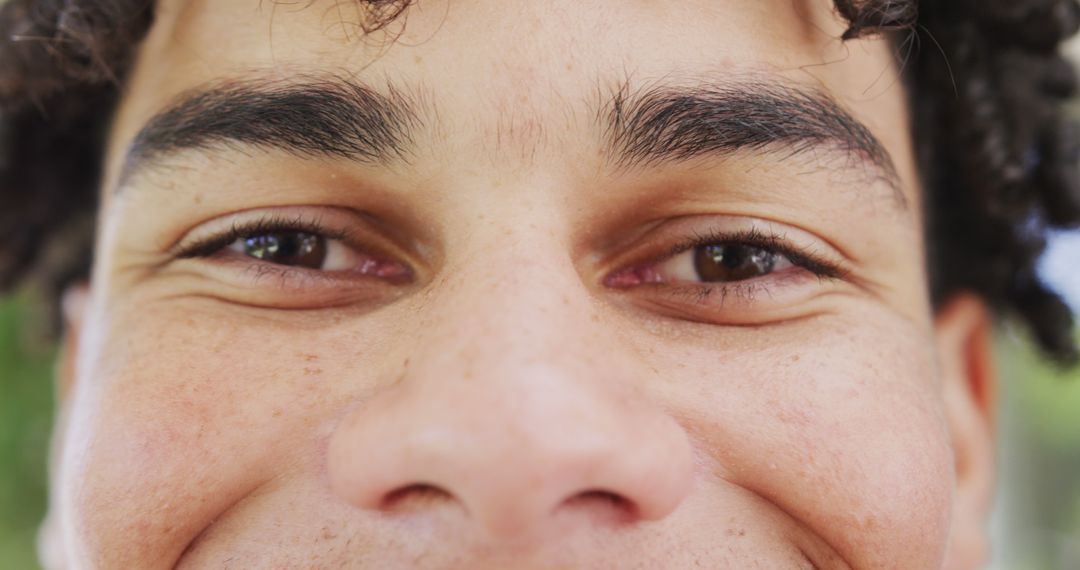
{"type": "Point", "coordinates": [1050, 397]}
{"type": "Point", "coordinates": [25, 420]}
{"type": "Point", "coordinates": [1038, 460]}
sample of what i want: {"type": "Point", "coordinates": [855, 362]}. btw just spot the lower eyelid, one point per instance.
{"type": "Point", "coordinates": [783, 277]}
{"type": "Point", "coordinates": [768, 287]}
{"type": "Point", "coordinates": [286, 277]}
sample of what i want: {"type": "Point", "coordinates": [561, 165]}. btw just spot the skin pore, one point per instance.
{"type": "Point", "coordinates": [492, 347]}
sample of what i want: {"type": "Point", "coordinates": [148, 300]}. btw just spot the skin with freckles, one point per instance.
{"type": "Point", "coordinates": [493, 347]}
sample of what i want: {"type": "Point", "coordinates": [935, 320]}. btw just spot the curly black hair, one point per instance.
{"type": "Point", "coordinates": [987, 86]}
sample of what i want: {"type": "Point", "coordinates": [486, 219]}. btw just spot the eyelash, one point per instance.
{"type": "Point", "coordinates": [212, 244]}
{"type": "Point", "coordinates": [772, 242]}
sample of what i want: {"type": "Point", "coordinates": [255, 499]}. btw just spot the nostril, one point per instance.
{"type": "Point", "coordinates": [602, 506]}
{"type": "Point", "coordinates": [417, 496]}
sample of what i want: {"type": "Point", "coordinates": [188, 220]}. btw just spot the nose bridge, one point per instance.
{"type": "Point", "coordinates": [511, 304]}
{"type": "Point", "coordinates": [514, 402]}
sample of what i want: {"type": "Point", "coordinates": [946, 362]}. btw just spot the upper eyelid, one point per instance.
{"type": "Point", "coordinates": [665, 237]}
{"type": "Point", "coordinates": [753, 237]}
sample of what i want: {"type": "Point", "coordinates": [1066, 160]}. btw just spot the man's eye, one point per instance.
{"type": "Point", "coordinates": [719, 263]}
{"type": "Point", "coordinates": [309, 250]}
{"type": "Point", "coordinates": [747, 277]}
{"type": "Point", "coordinates": [302, 248]}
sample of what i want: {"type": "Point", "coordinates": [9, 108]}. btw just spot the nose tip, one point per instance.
{"type": "Point", "coordinates": [511, 480]}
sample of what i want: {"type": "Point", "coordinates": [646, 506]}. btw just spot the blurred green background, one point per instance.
{"type": "Point", "coordinates": [25, 419]}
{"type": "Point", "coordinates": [1037, 523]}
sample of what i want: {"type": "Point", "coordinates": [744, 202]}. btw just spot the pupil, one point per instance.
{"type": "Point", "coordinates": [287, 248]}
{"type": "Point", "coordinates": [732, 262]}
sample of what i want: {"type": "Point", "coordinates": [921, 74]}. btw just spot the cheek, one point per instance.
{"type": "Point", "coordinates": [845, 436]}
{"type": "Point", "coordinates": [184, 413]}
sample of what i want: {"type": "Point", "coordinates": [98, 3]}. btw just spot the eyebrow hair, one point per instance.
{"type": "Point", "coordinates": [330, 116]}
{"type": "Point", "coordinates": [334, 116]}
{"type": "Point", "coordinates": [662, 123]}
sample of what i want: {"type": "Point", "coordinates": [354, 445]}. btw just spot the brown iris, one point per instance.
{"type": "Point", "coordinates": [287, 248]}
{"type": "Point", "coordinates": [732, 262]}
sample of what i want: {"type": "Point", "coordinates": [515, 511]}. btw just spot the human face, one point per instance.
{"type": "Point", "coordinates": [531, 285]}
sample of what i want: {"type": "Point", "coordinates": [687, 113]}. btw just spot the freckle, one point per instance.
{"type": "Point", "coordinates": [277, 413]}
{"type": "Point", "coordinates": [312, 371]}
{"type": "Point", "coordinates": [310, 357]}
{"type": "Point", "coordinates": [198, 198]}
{"type": "Point", "coordinates": [795, 358]}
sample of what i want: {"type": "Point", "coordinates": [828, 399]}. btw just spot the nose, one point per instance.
{"type": "Point", "coordinates": [524, 419]}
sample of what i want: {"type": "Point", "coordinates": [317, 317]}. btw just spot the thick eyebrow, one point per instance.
{"type": "Point", "coordinates": [336, 117]}
{"type": "Point", "coordinates": [331, 117]}
{"type": "Point", "coordinates": [648, 127]}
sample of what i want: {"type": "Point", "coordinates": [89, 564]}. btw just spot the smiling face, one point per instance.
{"type": "Point", "coordinates": [530, 285]}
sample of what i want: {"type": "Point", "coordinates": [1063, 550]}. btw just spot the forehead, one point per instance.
{"type": "Point", "coordinates": [512, 75]}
